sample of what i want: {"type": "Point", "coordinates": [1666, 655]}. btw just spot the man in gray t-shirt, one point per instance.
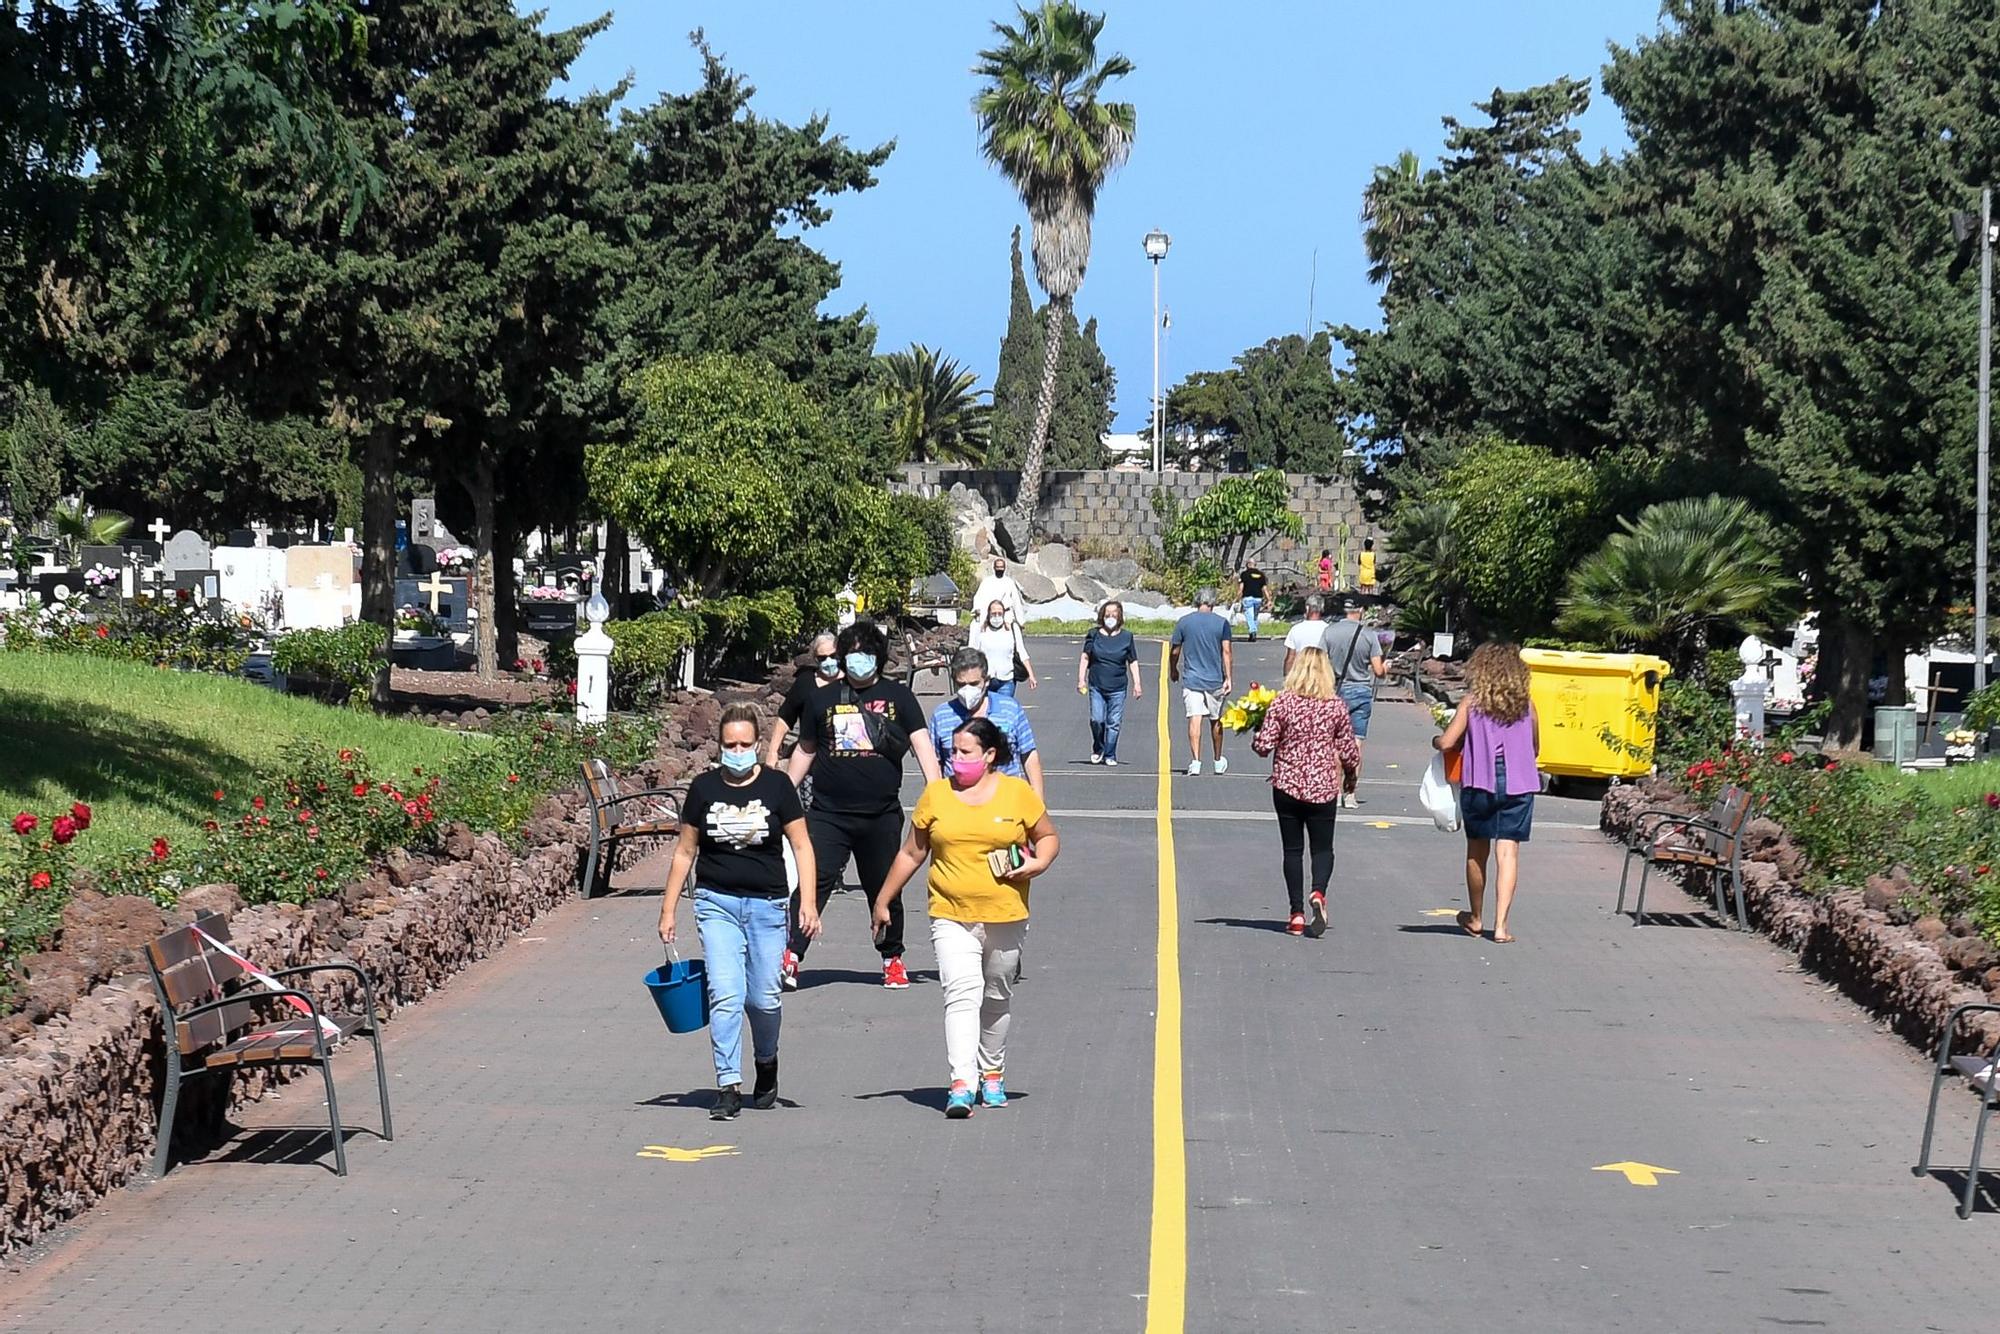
{"type": "Point", "coordinates": [1202, 660]}
{"type": "Point", "coordinates": [1355, 651]}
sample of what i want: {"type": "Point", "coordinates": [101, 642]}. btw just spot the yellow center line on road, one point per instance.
{"type": "Point", "coordinates": [1166, 1275]}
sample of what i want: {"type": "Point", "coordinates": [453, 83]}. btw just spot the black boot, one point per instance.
{"type": "Point", "coordinates": [728, 1103]}
{"type": "Point", "coordinates": [766, 1095]}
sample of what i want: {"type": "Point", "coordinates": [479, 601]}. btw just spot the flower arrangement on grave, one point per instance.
{"type": "Point", "coordinates": [1247, 713]}
{"type": "Point", "coordinates": [419, 620]}
{"type": "Point", "coordinates": [456, 560]}
{"type": "Point", "coordinates": [551, 593]}
{"type": "Point", "coordinates": [99, 576]}
{"type": "Point", "coordinates": [1961, 745]}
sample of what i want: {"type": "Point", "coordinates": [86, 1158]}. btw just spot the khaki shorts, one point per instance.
{"type": "Point", "coordinates": [1202, 703]}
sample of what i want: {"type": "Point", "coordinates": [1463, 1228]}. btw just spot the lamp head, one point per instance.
{"type": "Point", "coordinates": [1157, 242]}
{"type": "Point", "coordinates": [597, 611]}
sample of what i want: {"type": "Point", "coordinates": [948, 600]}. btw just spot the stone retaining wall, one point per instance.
{"type": "Point", "coordinates": [81, 1069]}
{"type": "Point", "coordinates": [1909, 971]}
{"type": "Point", "coordinates": [1113, 509]}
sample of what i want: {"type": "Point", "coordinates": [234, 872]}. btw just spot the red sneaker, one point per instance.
{"type": "Point", "coordinates": [894, 975]}
{"type": "Point", "coordinates": [788, 972]}
{"type": "Point", "coordinates": [1297, 926]}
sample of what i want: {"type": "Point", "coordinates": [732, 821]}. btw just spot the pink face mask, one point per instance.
{"type": "Point", "coordinates": [968, 772]}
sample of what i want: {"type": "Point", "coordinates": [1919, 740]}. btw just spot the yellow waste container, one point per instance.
{"type": "Point", "coordinates": [1579, 697]}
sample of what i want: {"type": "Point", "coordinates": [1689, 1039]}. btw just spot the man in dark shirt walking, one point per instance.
{"type": "Point", "coordinates": [1254, 586]}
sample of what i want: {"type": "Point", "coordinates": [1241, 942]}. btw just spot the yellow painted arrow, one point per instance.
{"type": "Point", "coordinates": [667, 1153]}
{"type": "Point", "coordinates": [1440, 912]}
{"type": "Point", "coordinates": [1639, 1174]}
{"type": "Point", "coordinates": [1380, 824]}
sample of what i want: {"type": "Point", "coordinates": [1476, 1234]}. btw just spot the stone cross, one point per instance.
{"type": "Point", "coordinates": [49, 564]}
{"type": "Point", "coordinates": [263, 532]}
{"type": "Point", "coordinates": [437, 587]}
{"type": "Point", "coordinates": [159, 528]}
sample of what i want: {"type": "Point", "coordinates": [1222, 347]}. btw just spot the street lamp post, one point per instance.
{"type": "Point", "coordinates": [1961, 225]}
{"type": "Point", "coordinates": [1157, 242]}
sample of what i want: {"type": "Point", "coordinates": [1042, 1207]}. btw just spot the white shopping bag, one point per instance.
{"type": "Point", "coordinates": [1439, 797]}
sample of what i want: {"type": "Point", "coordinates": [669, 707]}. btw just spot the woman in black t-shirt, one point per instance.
{"type": "Point", "coordinates": [739, 817]}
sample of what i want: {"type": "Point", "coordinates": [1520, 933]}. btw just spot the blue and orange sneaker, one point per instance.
{"type": "Point", "coordinates": [992, 1090]}
{"type": "Point", "coordinates": [958, 1105]}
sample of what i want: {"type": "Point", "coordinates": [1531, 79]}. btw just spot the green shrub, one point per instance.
{"type": "Point", "coordinates": [933, 517]}
{"type": "Point", "coordinates": [1520, 519]}
{"type": "Point", "coordinates": [163, 630]}
{"type": "Point", "coordinates": [1982, 708]}
{"type": "Point", "coordinates": [348, 656]}
{"type": "Point", "coordinates": [37, 859]}
{"type": "Point", "coordinates": [531, 754]}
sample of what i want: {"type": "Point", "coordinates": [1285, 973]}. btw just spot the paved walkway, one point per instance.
{"type": "Point", "coordinates": [1391, 1129]}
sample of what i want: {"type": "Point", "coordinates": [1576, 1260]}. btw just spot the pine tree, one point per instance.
{"type": "Point", "coordinates": [1086, 386]}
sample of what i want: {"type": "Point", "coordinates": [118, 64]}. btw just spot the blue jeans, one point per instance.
{"type": "Point", "coordinates": [1002, 688]}
{"type": "Point", "coordinates": [1360, 702]}
{"type": "Point", "coordinates": [743, 940]}
{"type": "Point", "coordinates": [1250, 606]}
{"type": "Point", "coordinates": [1107, 714]}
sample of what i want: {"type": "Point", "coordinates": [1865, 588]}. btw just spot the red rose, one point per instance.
{"type": "Point", "coordinates": [1786, 757]}
{"type": "Point", "coordinates": [263, 820]}
{"type": "Point", "coordinates": [257, 802]}
{"type": "Point", "coordinates": [312, 831]}
{"type": "Point", "coordinates": [218, 794]}
{"type": "Point", "coordinates": [347, 757]}
{"type": "Point", "coordinates": [104, 632]}
{"type": "Point", "coordinates": [411, 808]}
{"type": "Point", "coordinates": [81, 814]}
{"type": "Point", "coordinates": [1993, 800]}
{"type": "Point", "coordinates": [25, 824]}
{"type": "Point", "coordinates": [40, 880]}
{"type": "Point", "coordinates": [319, 873]}
{"type": "Point", "coordinates": [64, 829]}
{"type": "Point", "coordinates": [210, 826]}
{"type": "Point", "coordinates": [159, 849]}
{"type": "Point", "coordinates": [305, 817]}
{"type": "Point", "coordinates": [361, 789]}
{"type": "Point", "coordinates": [538, 664]}
{"type": "Point", "coordinates": [513, 778]}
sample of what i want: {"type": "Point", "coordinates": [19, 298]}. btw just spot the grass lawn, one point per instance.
{"type": "Point", "coordinates": [148, 748]}
{"type": "Point", "coordinates": [1958, 785]}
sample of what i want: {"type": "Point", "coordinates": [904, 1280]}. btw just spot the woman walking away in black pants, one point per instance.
{"type": "Point", "coordinates": [853, 736]}
{"type": "Point", "coordinates": [1314, 758]}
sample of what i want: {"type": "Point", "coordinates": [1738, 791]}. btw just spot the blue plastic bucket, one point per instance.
{"type": "Point", "coordinates": [680, 989]}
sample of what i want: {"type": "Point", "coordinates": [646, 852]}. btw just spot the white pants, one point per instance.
{"type": "Point", "coordinates": [977, 963]}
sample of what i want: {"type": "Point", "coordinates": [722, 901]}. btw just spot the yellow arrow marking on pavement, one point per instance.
{"type": "Point", "coordinates": [1638, 1174]}
{"type": "Point", "coordinates": [1440, 912]}
{"type": "Point", "coordinates": [1380, 824]}
{"type": "Point", "coordinates": [667, 1153]}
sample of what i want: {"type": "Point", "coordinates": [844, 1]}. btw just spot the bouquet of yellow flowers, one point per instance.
{"type": "Point", "coordinates": [1247, 713]}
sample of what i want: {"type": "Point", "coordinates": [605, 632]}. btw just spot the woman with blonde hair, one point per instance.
{"type": "Point", "coordinates": [1314, 758]}
{"type": "Point", "coordinates": [1496, 724]}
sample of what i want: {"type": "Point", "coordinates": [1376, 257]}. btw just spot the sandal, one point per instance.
{"type": "Point", "coordinates": [1464, 920]}
{"type": "Point", "coordinates": [1499, 939]}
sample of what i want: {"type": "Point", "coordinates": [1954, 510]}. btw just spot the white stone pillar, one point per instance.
{"type": "Point", "coordinates": [1749, 693]}
{"type": "Point", "coordinates": [593, 664]}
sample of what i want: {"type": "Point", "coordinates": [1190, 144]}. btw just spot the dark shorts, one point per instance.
{"type": "Point", "coordinates": [1495, 814]}
{"type": "Point", "coordinates": [1360, 702]}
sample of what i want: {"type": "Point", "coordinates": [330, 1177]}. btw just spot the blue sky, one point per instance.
{"type": "Point", "coordinates": [1258, 126]}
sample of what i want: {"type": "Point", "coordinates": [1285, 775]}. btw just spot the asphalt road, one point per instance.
{"type": "Point", "coordinates": [1393, 1128]}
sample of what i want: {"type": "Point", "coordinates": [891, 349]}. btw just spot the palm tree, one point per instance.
{"type": "Point", "coordinates": [1428, 573]}
{"type": "Point", "coordinates": [76, 527]}
{"type": "Point", "coordinates": [1389, 213]}
{"type": "Point", "coordinates": [1042, 123]}
{"type": "Point", "coordinates": [1684, 573]}
{"type": "Point", "coordinates": [934, 413]}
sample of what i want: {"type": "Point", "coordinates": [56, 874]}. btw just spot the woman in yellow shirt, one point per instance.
{"type": "Point", "coordinates": [986, 835]}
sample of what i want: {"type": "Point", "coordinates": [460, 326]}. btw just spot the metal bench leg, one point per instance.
{"type": "Point", "coordinates": [333, 1115]}
{"type": "Point", "coordinates": [1715, 883]}
{"type": "Point", "coordinates": [1639, 907]}
{"type": "Point", "coordinates": [1736, 888]}
{"type": "Point", "coordinates": [589, 886]}
{"type": "Point", "coordinates": [1930, 1117]}
{"type": "Point", "coordinates": [1624, 875]}
{"type": "Point", "coordinates": [168, 1106]}
{"type": "Point", "coordinates": [1978, 1142]}
{"type": "Point", "coordinates": [381, 1079]}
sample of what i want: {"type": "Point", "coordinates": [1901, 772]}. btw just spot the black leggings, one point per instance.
{"type": "Point", "coordinates": [873, 841]}
{"type": "Point", "coordinates": [1299, 821]}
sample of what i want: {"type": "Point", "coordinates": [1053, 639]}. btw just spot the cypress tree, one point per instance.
{"type": "Point", "coordinates": [1085, 385]}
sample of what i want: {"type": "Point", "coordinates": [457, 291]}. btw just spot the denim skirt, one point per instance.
{"type": "Point", "coordinates": [1495, 814]}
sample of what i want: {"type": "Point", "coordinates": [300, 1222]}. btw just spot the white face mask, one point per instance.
{"type": "Point", "coordinates": [997, 621]}
{"type": "Point", "coordinates": [1111, 622]}
{"type": "Point", "coordinates": [970, 696]}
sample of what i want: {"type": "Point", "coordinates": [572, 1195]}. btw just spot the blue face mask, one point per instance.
{"type": "Point", "coordinates": [829, 667]}
{"type": "Point", "coordinates": [861, 666]}
{"type": "Point", "coordinates": [739, 762]}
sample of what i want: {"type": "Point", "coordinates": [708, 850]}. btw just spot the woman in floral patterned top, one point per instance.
{"type": "Point", "coordinates": [1314, 758]}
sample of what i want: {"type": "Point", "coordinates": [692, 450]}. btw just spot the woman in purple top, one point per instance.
{"type": "Point", "coordinates": [1496, 724]}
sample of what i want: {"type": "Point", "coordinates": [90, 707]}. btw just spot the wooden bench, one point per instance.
{"type": "Point", "coordinates": [1711, 843]}
{"type": "Point", "coordinates": [609, 824]}
{"type": "Point", "coordinates": [217, 1016]}
{"type": "Point", "coordinates": [1980, 1070]}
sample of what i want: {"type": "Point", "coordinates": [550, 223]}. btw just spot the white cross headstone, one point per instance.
{"type": "Point", "coordinates": [437, 587]}
{"type": "Point", "coordinates": [159, 528]}
{"type": "Point", "coordinates": [263, 532]}
{"type": "Point", "coordinates": [49, 564]}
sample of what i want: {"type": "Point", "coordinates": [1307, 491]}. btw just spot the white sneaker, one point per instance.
{"type": "Point", "coordinates": [1097, 759]}
{"type": "Point", "coordinates": [1221, 765]}
{"type": "Point", "coordinates": [1112, 763]}
{"type": "Point", "coordinates": [1194, 768]}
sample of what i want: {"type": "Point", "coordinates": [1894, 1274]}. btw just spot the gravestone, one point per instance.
{"type": "Point", "coordinates": [318, 567]}
{"type": "Point", "coordinates": [240, 537]}
{"type": "Point", "coordinates": [320, 591]}
{"type": "Point", "coordinates": [187, 550]}
{"type": "Point", "coordinates": [141, 553]}
{"type": "Point", "coordinates": [54, 586]}
{"type": "Point", "coordinates": [426, 527]}
{"type": "Point", "coordinates": [205, 586]}
{"type": "Point", "coordinates": [416, 560]}
{"type": "Point", "coordinates": [252, 577]}
{"type": "Point", "coordinates": [449, 600]}
{"type": "Point", "coordinates": [90, 560]}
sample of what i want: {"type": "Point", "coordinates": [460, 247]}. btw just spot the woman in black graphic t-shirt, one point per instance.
{"type": "Point", "coordinates": [738, 818]}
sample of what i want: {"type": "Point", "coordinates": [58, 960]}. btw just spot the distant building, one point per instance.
{"type": "Point", "coordinates": [1130, 450]}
